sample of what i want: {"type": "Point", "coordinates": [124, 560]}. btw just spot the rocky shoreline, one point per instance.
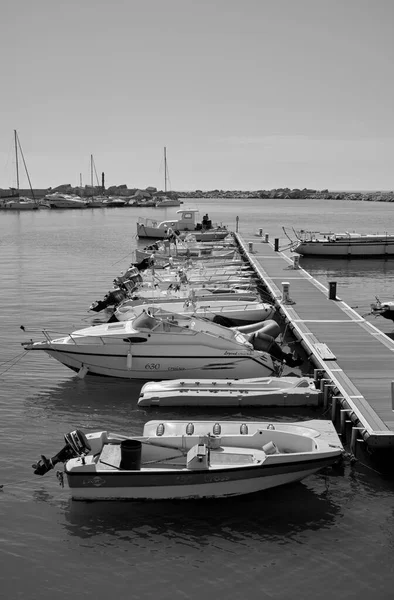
{"type": "Point", "coordinates": [124, 191]}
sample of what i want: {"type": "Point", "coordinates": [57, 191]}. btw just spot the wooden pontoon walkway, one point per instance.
{"type": "Point", "coordinates": [355, 356]}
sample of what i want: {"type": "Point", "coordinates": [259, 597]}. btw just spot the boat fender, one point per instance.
{"type": "Point", "coordinates": [270, 327]}
{"type": "Point", "coordinates": [262, 342]}
{"type": "Point", "coordinates": [160, 429]}
{"type": "Point", "coordinates": [224, 321]}
{"type": "Point", "coordinates": [129, 360]}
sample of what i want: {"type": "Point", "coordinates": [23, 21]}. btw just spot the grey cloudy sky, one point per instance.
{"type": "Point", "coordinates": [245, 94]}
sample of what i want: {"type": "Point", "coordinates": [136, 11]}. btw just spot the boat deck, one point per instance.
{"type": "Point", "coordinates": [355, 356]}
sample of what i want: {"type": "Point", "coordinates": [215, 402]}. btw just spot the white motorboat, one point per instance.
{"type": "Point", "coordinates": [161, 256]}
{"type": "Point", "coordinates": [344, 245]}
{"type": "Point", "coordinates": [196, 277]}
{"type": "Point", "coordinates": [159, 346]}
{"type": "Point", "coordinates": [192, 460]}
{"type": "Point", "coordinates": [159, 292]}
{"type": "Point", "coordinates": [225, 312]}
{"type": "Point", "coordinates": [59, 200]}
{"type": "Point", "coordinates": [166, 201]}
{"type": "Point", "coordinates": [259, 391]}
{"type": "Point", "coordinates": [205, 231]}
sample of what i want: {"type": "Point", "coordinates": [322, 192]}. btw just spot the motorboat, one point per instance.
{"type": "Point", "coordinates": [166, 201]}
{"type": "Point", "coordinates": [196, 276]}
{"type": "Point", "coordinates": [162, 255]}
{"type": "Point", "coordinates": [344, 245]}
{"type": "Point", "coordinates": [59, 200]}
{"type": "Point", "coordinates": [114, 202]}
{"type": "Point", "coordinates": [224, 312]}
{"type": "Point", "coordinates": [157, 293]}
{"type": "Point", "coordinates": [204, 231]}
{"type": "Point", "coordinates": [258, 391]}
{"type": "Point", "coordinates": [192, 460]}
{"type": "Point", "coordinates": [159, 346]}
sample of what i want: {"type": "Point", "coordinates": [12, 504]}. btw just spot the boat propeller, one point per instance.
{"type": "Point", "coordinates": [76, 445]}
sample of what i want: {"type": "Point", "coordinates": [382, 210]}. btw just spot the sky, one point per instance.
{"type": "Point", "coordinates": [244, 94]}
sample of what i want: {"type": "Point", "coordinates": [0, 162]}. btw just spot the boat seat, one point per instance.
{"type": "Point", "coordinates": [110, 457]}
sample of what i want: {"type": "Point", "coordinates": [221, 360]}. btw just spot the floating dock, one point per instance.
{"type": "Point", "coordinates": [354, 360]}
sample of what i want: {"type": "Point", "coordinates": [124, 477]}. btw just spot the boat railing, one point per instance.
{"type": "Point", "coordinates": [50, 337]}
{"type": "Point", "coordinates": [147, 222]}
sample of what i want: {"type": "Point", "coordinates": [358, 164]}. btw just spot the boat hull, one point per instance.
{"type": "Point", "coordinates": [158, 233]}
{"type": "Point", "coordinates": [346, 249]}
{"type": "Point", "coordinates": [184, 485]}
{"type": "Point", "coordinates": [162, 365]}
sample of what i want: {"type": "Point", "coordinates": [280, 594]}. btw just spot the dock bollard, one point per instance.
{"type": "Point", "coordinates": [332, 294]}
{"type": "Point", "coordinates": [285, 291]}
{"type": "Point", "coordinates": [250, 246]}
{"type": "Point", "coordinates": [260, 232]}
{"type": "Point", "coordinates": [276, 246]}
{"type": "Point", "coordinates": [296, 261]}
{"type": "Point", "coordinates": [267, 238]}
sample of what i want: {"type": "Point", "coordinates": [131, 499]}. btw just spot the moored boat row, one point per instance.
{"type": "Point", "coordinates": [209, 326]}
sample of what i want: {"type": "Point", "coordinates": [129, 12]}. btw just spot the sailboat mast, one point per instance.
{"type": "Point", "coordinates": [165, 170]}
{"type": "Point", "coordinates": [91, 170]}
{"type": "Point", "coordinates": [18, 145]}
{"type": "Point", "coordinates": [16, 159]}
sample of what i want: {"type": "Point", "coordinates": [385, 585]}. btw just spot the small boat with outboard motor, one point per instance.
{"type": "Point", "coordinates": [192, 460]}
{"type": "Point", "coordinates": [226, 312]}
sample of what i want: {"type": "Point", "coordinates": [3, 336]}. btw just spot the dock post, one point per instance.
{"type": "Point", "coordinates": [267, 237]}
{"type": "Point", "coordinates": [344, 420]}
{"type": "Point", "coordinates": [236, 224]}
{"type": "Point", "coordinates": [260, 232]}
{"type": "Point", "coordinates": [250, 246]}
{"type": "Point", "coordinates": [353, 439]}
{"type": "Point", "coordinates": [296, 261]}
{"type": "Point", "coordinates": [318, 374]}
{"type": "Point", "coordinates": [276, 246]}
{"type": "Point", "coordinates": [333, 408]}
{"type": "Point", "coordinates": [332, 294]}
{"type": "Point", "coordinates": [327, 386]}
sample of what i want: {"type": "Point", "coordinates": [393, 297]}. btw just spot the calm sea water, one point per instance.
{"type": "Point", "coordinates": [328, 537]}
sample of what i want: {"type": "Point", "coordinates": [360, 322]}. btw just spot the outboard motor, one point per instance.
{"type": "Point", "coordinates": [76, 445]}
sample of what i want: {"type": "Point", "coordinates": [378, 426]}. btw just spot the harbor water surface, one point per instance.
{"type": "Point", "coordinates": [331, 536]}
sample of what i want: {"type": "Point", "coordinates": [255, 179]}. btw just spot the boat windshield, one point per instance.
{"type": "Point", "coordinates": [145, 321]}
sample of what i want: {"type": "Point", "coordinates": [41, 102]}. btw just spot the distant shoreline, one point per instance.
{"type": "Point", "coordinates": [278, 193]}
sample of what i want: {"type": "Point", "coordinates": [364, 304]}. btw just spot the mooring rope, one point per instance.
{"type": "Point", "coordinates": [14, 361]}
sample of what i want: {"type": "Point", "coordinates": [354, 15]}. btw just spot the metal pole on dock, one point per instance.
{"type": "Point", "coordinates": [276, 246]}
{"type": "Point", "coordinates": [332, 294]}
{"type": "Point", "coordinates": [236, 224]}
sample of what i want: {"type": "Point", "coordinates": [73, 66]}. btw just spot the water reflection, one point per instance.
{"type": "Point", "coordinates": [97, 402]}
{"type": "Point", "coordinates": [277, 514]}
